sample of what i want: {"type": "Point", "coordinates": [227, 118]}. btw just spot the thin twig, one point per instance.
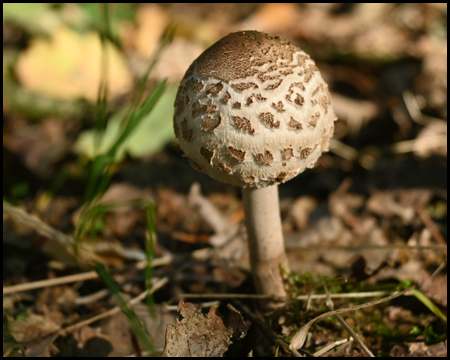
{"type": "Point", "coordinates": [91, 298]}
{"type": "Point", "coordinates": [414, 110]}
{"type": "Point", "coordinates": [354, 335]}
{"type": "Point", "coordinates": [73, 278]}
{"type": "Point", "coordinates": [300, 297]}
{"type": "Point", "coordinates": [369, 246]}
{"type": "Point", "coordinates": [328, 347]}
{"type": "Point", "coordinates": [33, 221]}
{"type": "Point", "coordinates": [49, 282]}
{"type": "Point", "coordinates": [206, 304]}
{"type": "Point", "coordinates": [294, 352]}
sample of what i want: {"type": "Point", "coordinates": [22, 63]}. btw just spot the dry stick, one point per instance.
{"type": "Point", "coordinates": [73, 278]}
{"type": "Point", "coordinates": [49, 282]}
{"type": "Point", "coordinates": [41, 227]}
{"type": "Point", "coordinates": [31, 220]}
{"type": "Point", "coordinates": [299, 338]}
{"type": "Point", "coordinates": [330, 305]}
{"type": "Point", "coordinates": [300, 297]}
{"type": "Point", "coordinates": [370, 246]}
{"type": "Point", "coordinates": [94, 297]}
{"type": "Point", "coordinates": [414, 110]}
{"type": "Point", "coordinates": [349, 153]}
{"type": "Point", "coordinates": [328, 347]}
{"type": "Point", "coordinates": [294, 352]}
{"type": "Point", "coordinates": [206, 304]}
{"type": "Point", "coordinates": [159, 284]}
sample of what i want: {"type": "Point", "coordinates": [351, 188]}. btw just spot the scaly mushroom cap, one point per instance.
{"type": "Point", "coordinates": [253, 110]}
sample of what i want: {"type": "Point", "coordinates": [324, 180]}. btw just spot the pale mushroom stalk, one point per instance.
{"type": "Point", "coordinates": [265, 240]}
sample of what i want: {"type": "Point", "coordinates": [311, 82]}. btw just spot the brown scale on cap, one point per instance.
{"type": "Point", "coordinates": [268, 119]}
{"type": "Point", "coordinates": [226, 98]}
{"type": "Point", "coordinates": [245, 86]}
{"type": "Point", "coordinates": [299, 100]}
{"type": "Point", "coordinates": [207, 154]}
{"type": "Point", "coordinates": [194, 85]}
{"type": "Point", "coordinates": [304, 153]}
{"type": "Point", "coordinates": [209, 123]}
{"type": "Point", "coordinates": [198, 108]}
{"type": "Point", "coordinates": [248, 179]}
{"type": "Point", "coordinates": [288, 153]}
{"type": "Point", "coordinates": [295, 124]}
{"type": "Point", "coordinates": [243, 123]}
{"type": "Point", "coordinates": [215, 88]}
{"type": "Point", "coordinates": [278, 106]}
{"type": "Point", "coordinates": [266, 158]}
{"type": "Point", "coordinates": [257, 99]}
{"type": "Point", "coordinates": [273, 86]}
{"type": "Point", "coordinates": [224, 168]}
{"type": "Point", "coordinates": [314, 118]}
{"type": "Point", "coordinates": [239, 155]}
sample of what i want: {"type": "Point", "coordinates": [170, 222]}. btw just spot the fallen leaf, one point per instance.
{"type": "Point", "coordinates": [200, 335]}
{"type": "Point", "coordinates": [69, 65]}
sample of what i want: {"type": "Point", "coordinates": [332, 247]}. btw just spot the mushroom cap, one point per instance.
{"type": "Point", "coordinates": [253, 110]}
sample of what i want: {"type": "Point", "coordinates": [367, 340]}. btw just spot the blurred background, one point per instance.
{"type": "Point", "coordinates": [73, 73]}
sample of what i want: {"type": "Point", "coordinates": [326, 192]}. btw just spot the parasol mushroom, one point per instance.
{"type": "Point", "coordinates": [253, 111]}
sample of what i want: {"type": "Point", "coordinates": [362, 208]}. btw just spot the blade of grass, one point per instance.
{"type": "Point", "coordinates": [151, 226]}
{"type": "Point", "coordinates": [135, 323]}
{"type": "Point", "coordinates": [429, 304]}
{"type": "Point", "coordinates": [100, 173]}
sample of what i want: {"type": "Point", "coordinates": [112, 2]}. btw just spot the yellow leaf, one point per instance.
{"type": "Point", "coordinates": [68, 66]}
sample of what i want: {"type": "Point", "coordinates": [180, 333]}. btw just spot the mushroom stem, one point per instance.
{"type": "Point", "coordinates": [265, 241]}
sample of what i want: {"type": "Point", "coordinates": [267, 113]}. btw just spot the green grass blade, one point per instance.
{"type": "Point", "coordinates": [151, 226]}
{"type": "Point", "coordinates": [429, 304]}
{"type": "Point", "coordinates": [136, 117]}
{"type": "Point", "coordinates": [135, 323]}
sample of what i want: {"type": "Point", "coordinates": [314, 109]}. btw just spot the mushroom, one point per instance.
{"type": "Point", "coordinates": [253, 111]}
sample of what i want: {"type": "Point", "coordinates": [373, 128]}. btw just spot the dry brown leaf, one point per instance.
{"type": "Point", "coordinates": [357, 113]}
{"type": "Point", "coordinates": [117, 329]}
{"type": "Point", "coordinates": [426, 141]}
{"type": "Point", "coordinates": [176, 58]}
{"type": "Point", "coordinates": [300, 211]}
{"type": "Point", "coordinates": [32, 327]}
{"type": "Point", "coordinates": [384, 203]}
{"type": "Point", "coordinates": [419, 349]}
{"type": "Point", "coordinates": [152, 20]}
{"type": "Point", "coordinates": [223, 228]}
{"type": "Point", "coordinates": [273, 18]}
{"type": "Point", "coordinates": [200, 335]}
